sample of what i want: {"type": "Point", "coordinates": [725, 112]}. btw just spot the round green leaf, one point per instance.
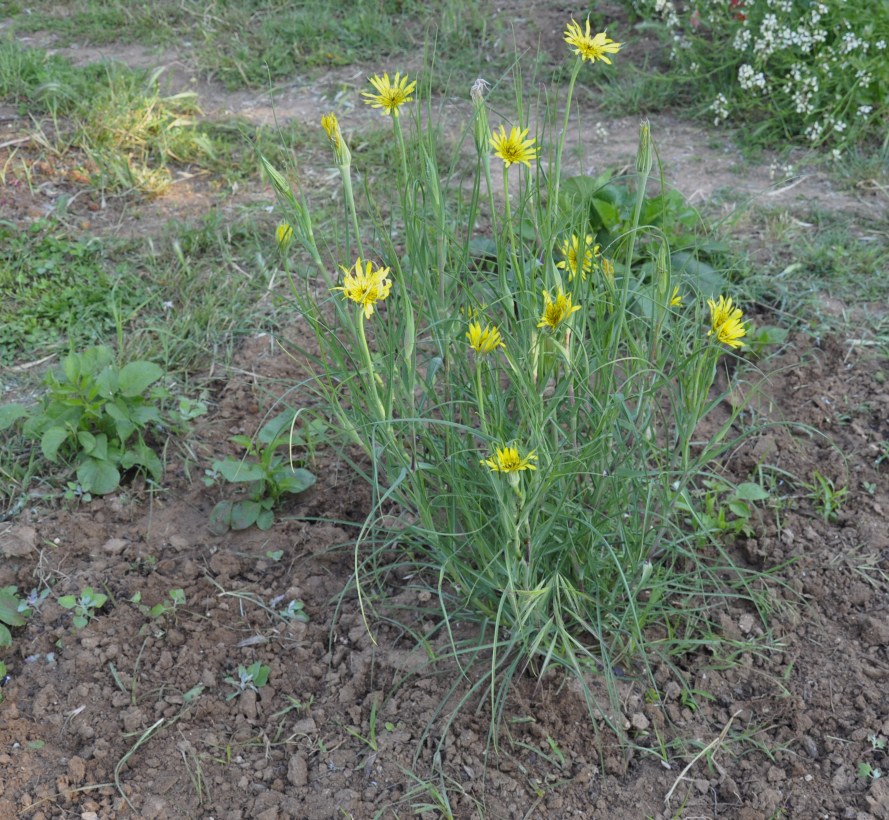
{"type": "Point", "coordinates": [244, 514]}
{"type": "Point", "coordinates": [221, 518]}
{"type": "Point", "coordinates": [98, 477]}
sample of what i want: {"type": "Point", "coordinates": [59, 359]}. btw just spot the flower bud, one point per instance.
{"type": "Point", "coordinates": [643, 153]}
{"type": "Point", "coordinates": [340, 150]}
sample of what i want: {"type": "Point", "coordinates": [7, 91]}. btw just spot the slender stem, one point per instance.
{"type": "Point", "coordinates": [399, 135]}
{"type": "Point", "coordinates": [349, 196]}
{"type": "Point", "coordinates": [368, 364]}
{"type": "Point", "coordinates": [557, 169]}
{"type": "Point", "coordinates": [519, 272]}
{"type": "Point", "coordinates": [480, 396]}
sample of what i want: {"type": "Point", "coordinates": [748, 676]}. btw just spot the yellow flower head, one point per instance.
{"type": "Point", "coordinates": [514, 147]}
{"type": "Point", "coordinates": [484, 341]}
{"type": "Point", "coordinates": [507, 460]}
{"type": "Point", "coordinates": [725, 322]}
{"type": "Point", "coordinates": [390, 93]}
{"type": "Point", "coordinates": [332, 128]}
{"type": "Point", "coordinates": [590, 47]}
{"type": "Point", "coordinates": [365, 284]}
{"type": "Point", "coordinates": [283, 235]}
{"type": "Point", "coordinates": [556, 311]}
{"type": "Point", "coordinates": [340, 150]}
{"type": "Point", "coordinates": [570, 250]}
{"type": "Point", "coordinates": [676, 298]}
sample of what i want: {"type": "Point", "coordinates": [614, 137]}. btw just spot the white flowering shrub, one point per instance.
{"type": "Point", "coordinates": [816, 71]}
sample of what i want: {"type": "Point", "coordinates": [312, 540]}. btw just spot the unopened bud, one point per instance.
{"type": "Point", "coordinates": [334, 135]}
{"type": "Point", "coordinates": [643, 153]}
{"type": "Point", "coordinates": [284, 235]}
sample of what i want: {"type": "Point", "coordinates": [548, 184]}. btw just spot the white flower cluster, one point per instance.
{"type": "Point", "coordinates": [819, 65]}
{"type": "Point", "coordinates": [750, 79]}
{"type": "Point", "coordinates": [802, 86]}
{"type": "Point", "coordinates": [719, 107]}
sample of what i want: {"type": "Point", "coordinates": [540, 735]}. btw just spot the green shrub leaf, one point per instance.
{"type": "Point", "coordinates": [10, 414]}
{"type": "Point", "coordinates": [9, 608]}
{"type": "Point", "coordinates": [51, 440]}
{"type": "Point", "coordinates": [134, 378]}
{"type": "Point", "coordinates": [98, 477]}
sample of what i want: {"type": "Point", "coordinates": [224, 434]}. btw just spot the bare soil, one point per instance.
{"type": "Point", "coordinates": [106, 722]}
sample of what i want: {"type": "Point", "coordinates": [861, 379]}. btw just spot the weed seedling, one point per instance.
{"type": "Point", "coordinates": [176, 599]}
{"type": "Point", "coordinates": [13, 612]}
{"type": "Point", "coordinates": [97, 415]}
{"type": "Point", "coordinates": [294, 611]}
{"type": "Point", "coordinates": [267, 472]}
{"type": "Point", "coordinates": [371, 739]}
{"type": "Point", "coordinates": [252, 677]}
{"type": "Point", "coordinates": [85, 607]}
{"type": "Point", "coordinates": [828, 499]}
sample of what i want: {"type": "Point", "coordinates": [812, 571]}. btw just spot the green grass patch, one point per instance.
{"type": "Point", "coordinates": [177, 302]}
{"type": "Point", "coordinates": [820, 269]}
{"type": "Point", "coordinates": [250, 43]}
{"type": "Point", "coordinates": [131, 135]}
{"type": "Point", "coordinates": [61, 292]}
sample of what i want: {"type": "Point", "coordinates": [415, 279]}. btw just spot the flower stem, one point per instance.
{"type": "Point", "coordinates": [368, 364]}
{"type": "Point", "coordinates": [519, 272]}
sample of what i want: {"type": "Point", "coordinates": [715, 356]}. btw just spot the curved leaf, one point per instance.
{"type": "Point", "coordinates": [98, 477]}
{"type": "Point", "coordinates": [134, 378]}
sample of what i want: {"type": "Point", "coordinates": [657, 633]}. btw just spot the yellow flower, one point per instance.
{"type": "Point", "coordinates": [590, 47]}
{"type": "Point", "coordinates": [725, 322]}
{"type": "Point", "coordinates": [507, 460]}
{"type": "Point", "coordinates": [340, 150]}
{"type": "Point", "coordinates": [676, 298]}
{"type": "Point", "coordinates": [332, 128]}
{"type": "Point", "coordinates": [365, 284]}
{"type": "Point", "coordinates": [514, 148]}
{"type": "Point", "coordinates": [570, 250]}
{"type": "Point", "coordinates": [390, 93]}
{"type": "Point", "coordinates": [283, 235]}
{"type": "Point", "coordinates": [484, 341]}
{"type": "Point", "coordinates": [556, 312]}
